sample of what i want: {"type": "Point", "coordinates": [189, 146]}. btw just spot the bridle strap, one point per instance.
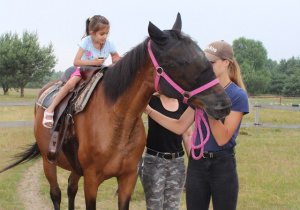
{"type": "Point", "coordinates": [199, 114]}
{"type": "Point", "coordinates": [160, 73]}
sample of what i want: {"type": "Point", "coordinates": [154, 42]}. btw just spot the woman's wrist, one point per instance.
{"type": "Point", "coordinates": [150, 112]}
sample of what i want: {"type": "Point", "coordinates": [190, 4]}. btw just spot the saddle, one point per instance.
{"type": "Point", "coordinates": [63, 133]}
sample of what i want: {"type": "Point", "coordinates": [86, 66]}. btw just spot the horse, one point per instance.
{"type": "Point", "coordinates": [110, 132]}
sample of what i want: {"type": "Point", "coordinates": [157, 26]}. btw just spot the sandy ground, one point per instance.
{"type": "Point", "coordinates": [29, 189]}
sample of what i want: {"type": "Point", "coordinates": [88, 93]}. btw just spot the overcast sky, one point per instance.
{"type": "Point", "coordinates": [276, 23]}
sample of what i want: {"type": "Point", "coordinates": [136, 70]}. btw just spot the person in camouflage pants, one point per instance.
{"type": "Point", "coordinates": [163, 168]}
{"type": "Point", "coordinates": [163, 178]}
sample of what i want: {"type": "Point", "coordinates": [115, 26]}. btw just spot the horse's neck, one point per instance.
{"type": "Point", "coordinates": [133, 102]}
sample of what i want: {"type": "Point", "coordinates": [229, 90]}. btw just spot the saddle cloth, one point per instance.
{"type": "Point", "coordinates": [48, 95]}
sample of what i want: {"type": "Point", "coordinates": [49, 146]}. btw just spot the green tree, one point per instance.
{"type": "Point", "coordinates": [54, 76]}
{"type": "Point", "coordinates": [27, 61]}
{"type": "Point", "coordinates": [291, 71]}
{"type": "Point", "coordinates": [252, 56]}
{"type": "Point", "coordinates": [6, 45]}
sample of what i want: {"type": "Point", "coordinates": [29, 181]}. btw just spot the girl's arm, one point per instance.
{"type": "Point", "coordinates": [176, 126]}
{"type": "Point", "coordinates": [186, 136]}
{"type": "Point", "coordinates": [79, 62]}
{"type": "Point", "coordinates": [223, 132]}
{"type": "Point", "coordinates": [115, 57]}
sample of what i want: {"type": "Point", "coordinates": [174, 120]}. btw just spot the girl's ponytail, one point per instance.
{"type": "Point", "coordinates": [87, 24]}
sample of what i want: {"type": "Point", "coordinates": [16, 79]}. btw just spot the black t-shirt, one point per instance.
{"type": "Point", "coordinates": [159, 138]}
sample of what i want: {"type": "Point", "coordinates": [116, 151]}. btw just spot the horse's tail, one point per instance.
{"type": "Point", "coordinates": [30, 153]}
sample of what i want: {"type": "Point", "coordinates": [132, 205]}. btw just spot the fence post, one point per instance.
{"type": "Point", "coordinates": [256, 113]}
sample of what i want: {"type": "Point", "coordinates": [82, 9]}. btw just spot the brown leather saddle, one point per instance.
{"type": "Point", "coordinates": [62, 133]}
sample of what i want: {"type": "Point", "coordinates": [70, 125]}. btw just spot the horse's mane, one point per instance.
{"type": "Point", "coordinates": [118, 77]}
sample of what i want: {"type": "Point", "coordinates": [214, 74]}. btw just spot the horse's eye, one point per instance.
{"type": "Point", "coordinates": [183, 63]}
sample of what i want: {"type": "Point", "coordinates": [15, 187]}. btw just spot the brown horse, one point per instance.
{"type": "Point", "coordinates": [110, 131]}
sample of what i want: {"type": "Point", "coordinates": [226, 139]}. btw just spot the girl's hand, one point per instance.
{"type": "Point", "coordinates": [99, 61]}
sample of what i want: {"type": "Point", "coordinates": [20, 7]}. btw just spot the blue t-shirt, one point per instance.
{"type": "Point", "coordinates": [239, 100]}
{"type": "Point", "coordinates": [91, 52]}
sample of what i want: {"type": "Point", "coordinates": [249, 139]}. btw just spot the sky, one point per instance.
{"type": "Point", "coordinates": [276, 23]}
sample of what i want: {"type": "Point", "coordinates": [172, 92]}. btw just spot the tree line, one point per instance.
{"type": "Point", "coordinates": [24, 63]}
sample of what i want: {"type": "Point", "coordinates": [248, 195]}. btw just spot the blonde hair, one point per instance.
{"type": "Point", "coordinates": [235, 74]}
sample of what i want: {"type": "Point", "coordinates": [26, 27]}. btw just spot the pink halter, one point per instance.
{"type": "Point", "coordinates": [186, 94]}
{"type": "Point", "coordinates": [199, 114]}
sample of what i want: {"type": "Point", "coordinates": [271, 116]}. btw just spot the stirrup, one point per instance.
{"type": "Point", "coordinates": [45, 120]}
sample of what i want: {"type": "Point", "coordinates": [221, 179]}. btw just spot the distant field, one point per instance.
{"type": "Point", "coordinates": [267, 161]}
{"type": "Point", "coordinates": [29, 95]}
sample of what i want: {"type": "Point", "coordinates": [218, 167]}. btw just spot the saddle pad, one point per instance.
{"type": "Point", "coordinates": [48, 95]}
{"type": "Point", "coordinates": [86, 92]}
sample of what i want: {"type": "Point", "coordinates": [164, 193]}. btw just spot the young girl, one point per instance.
{"type": "Point", "coordinates": [93, 50]}
{"type": "Point", "coordinates": [214, 176]}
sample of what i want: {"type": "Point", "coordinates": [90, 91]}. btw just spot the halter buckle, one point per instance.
{"type": "Point", "coordinates": [186, 94]}
{"type": "Point", "coordinates": [159, 70]}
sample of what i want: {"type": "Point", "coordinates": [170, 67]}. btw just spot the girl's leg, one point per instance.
{"type": "Point", "coordinates": [198, 190]}
{"type": "Point", "coordinates": [225, 185]}
{"type": "Point", "coordinates": [153, 181]}
{"type": "Point", "coordinates": [60, 95]}
{"type": "Point", "coordinates": [174, 184]}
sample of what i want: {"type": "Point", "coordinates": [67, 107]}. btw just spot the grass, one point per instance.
{"type": "Point", "coordinates": [13, 95]}
{"type": "Point", "coordinates": [272, 116]}
{"type": "Point", "coordinates": [268, 168]}
{"type": "Point", "coordinates": [267, 161]}
{"type": "Point", "coordinates": [16, 113]}
{"type": "Point", "coordinates": [12, 140]}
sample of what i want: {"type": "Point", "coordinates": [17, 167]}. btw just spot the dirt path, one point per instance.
{"type": "Point", "coordinates": [29, 189]}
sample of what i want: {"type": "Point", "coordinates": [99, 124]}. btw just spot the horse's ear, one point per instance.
{"type": "Point", "coordinates": [177, 25]}
{"type": "Point", "coordinates": [156, 34]}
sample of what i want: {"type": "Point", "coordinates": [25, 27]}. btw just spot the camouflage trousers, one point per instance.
{"type": "Point", "coordinates": [163, 181]}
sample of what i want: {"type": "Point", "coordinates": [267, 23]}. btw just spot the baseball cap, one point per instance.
{"type": "Point", "coordinates": [219, 49]}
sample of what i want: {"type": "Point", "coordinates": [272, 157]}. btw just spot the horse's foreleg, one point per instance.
{"type": "Point", "coordinates": [126, 184]}
{"type": "Point", "coordinates": [72, 189]}
{"type": "Point", "coordinates": [91, 184]}
{"type": "Point", "coordinates": [51, 175]}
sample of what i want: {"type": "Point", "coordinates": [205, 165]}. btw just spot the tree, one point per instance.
{"type": "Point", "coordinates": [27, 61]}
{"type": "Point", "coordinates": [291, 70]}
{"type": "Point", "coordinates": [252, 56]}
{"type": "Point", "coordinates": [6, 45]}
{"type": "Point", "coordinates": [54, 76]}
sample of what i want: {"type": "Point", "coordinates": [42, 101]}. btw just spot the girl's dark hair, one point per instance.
{"type": "Point", "coordinates": [95, 23]}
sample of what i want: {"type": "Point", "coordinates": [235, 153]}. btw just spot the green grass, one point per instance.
{"type": "Point", "coordinates": [16, 113]}
{"type": "Point", "coordinates": [268, 162]}
{"type": "Point", "coordinates": [12, 140]}
{"type": "Point", "coordinates": [273, 116]}
{"type": "Point", "coordinates": [29, 95]}
{"type": "Point", "coordinates": [269, 167]}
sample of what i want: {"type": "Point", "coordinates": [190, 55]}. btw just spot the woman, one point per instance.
{"type": "Point", "coordinates": [163, 174]}
{"type": "Point", "coordinates": [215, 174]}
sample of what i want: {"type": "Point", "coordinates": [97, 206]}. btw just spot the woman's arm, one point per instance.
{"type": "Point", "coordinates": [174, 125]}
{"type": "Point", "coordinates": [79, 62]}
{"type": "Point", "coordinates": [186, 136]}
{"type": "Point", "coordinates": [223, 132]}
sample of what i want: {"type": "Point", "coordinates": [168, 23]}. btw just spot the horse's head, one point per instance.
{"type": "Point", "coordinates": [186, 65]}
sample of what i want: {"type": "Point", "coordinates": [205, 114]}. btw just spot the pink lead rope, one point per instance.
{"type": "Point", "coordinates": [199, 114]}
